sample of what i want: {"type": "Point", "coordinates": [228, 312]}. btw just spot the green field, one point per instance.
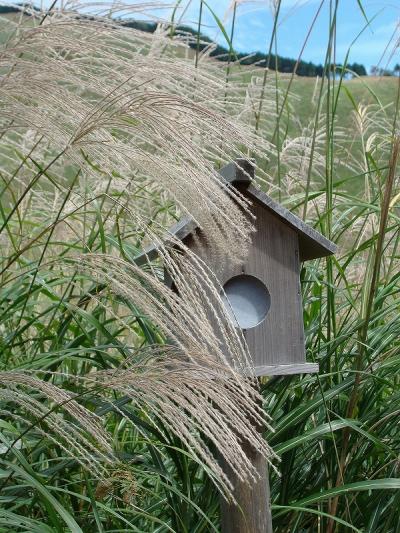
{"type": "Point", "coordinates": [366, 91]}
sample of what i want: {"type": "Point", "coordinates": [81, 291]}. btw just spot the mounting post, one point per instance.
{"type": "Point", "coordinates": [253, 512]}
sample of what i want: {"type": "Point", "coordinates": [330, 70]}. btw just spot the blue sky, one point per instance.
{"type": "Point", "coordinates": [254, 26]}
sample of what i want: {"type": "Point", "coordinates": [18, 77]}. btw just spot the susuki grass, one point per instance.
{"type": "Point", "coordinates": [114, 391]}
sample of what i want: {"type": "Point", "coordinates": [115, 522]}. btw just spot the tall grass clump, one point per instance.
{"type": "Point", "coordinates": [337, 433]}
{"type": "Point", "coordinates": [115, 391]}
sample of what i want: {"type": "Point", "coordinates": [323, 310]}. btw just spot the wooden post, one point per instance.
{"type": "Point", "coordinates": [253, 512]}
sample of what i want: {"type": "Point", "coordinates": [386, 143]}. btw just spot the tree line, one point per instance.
{"type": "Point", "coordinates": [221, 53]}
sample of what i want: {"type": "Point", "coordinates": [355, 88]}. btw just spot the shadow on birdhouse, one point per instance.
{"type": "Point", "coordinates": [262, 293]}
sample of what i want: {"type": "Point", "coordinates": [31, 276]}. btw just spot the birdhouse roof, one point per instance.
{"type": "Point", "coordinates": [312, 244]}
{"type": "Point", "coordinates": [240, 173]}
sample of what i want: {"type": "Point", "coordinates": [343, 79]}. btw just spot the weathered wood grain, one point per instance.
{"type": "Point", "coordinates": [274, 259]}
{"type": "Point", "coordinates": [253, 512]}
{"type": "Point", "coordinates": [280, 242]}
{"type": "Point", "coordinates": [311, 243]}
{"type": "Point", "coordinates": [286, 370]}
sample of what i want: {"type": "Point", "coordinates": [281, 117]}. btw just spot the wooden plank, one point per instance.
{"type": "Point", "coordinates": [241, 171]}
{"type": "Point", "coordinates": [273, 259]}
{"type": "Point", "coordinates": [253, 512]}
{"type": "Point", "coordinates": [182, 229]}
{"type": "Point", "coordinates": [286, 370]}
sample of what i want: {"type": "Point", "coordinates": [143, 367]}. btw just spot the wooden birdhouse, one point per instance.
{"type": "Point", "coordinates": [264, 291]}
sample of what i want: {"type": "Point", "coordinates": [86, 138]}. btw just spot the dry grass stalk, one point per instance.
{"type": "Point", "coordinates": [112, 107]}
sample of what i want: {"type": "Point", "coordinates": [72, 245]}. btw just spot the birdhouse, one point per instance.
{"type": "Point", "coordinates": [263, 292]}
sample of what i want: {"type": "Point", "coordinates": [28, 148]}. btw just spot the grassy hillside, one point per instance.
{"type": "Point", "coordinates": [369, 90]}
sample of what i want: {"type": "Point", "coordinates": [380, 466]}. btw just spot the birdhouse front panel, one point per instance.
{"type": "Point", "coordinates": [263, 293]}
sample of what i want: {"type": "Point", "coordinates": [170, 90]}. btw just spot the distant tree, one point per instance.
{"type": "Point", "coordinates": [311, 69]}
{"type": "Point", "coordinates": [141, 25]}
{"type": "Point", "coordinates": [377, 71]}
{"type": "Point", "coordinates": [396, 69]}
{"type": "Point", "coordinates": [336, 70]}
{"type": "Point", "coordinates": [358, 69]}
{"type": "Point", "coordinates": [8, 9]}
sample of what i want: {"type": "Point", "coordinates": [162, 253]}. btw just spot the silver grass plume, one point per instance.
{"type": "Point", "coordinates": [198, 362]}
{"type": "Point", "coordinates": [92, 91]}
{"type": "Point", "coordinates": [82, 436]}
{"type": "Point", "coordinates": [131, 121]}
